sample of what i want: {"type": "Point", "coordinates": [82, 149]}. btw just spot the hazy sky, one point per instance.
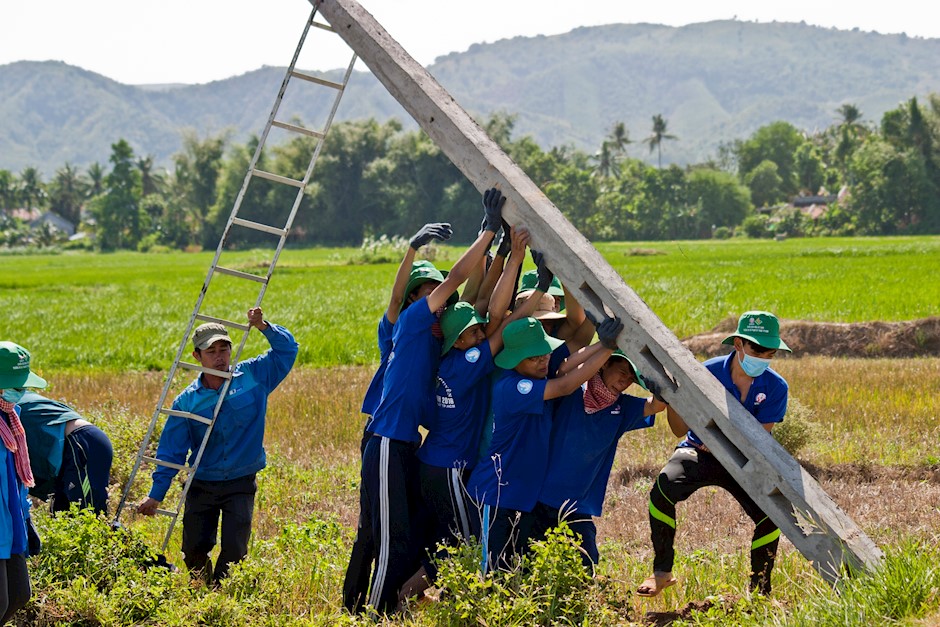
{"type": "Point", "coordinates": [197, 41]}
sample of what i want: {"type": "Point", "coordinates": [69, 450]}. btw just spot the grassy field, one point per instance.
{"type": "Point", "coordinates": [128, 311]}
{"type": "Point", "coordinates": [103, 328]}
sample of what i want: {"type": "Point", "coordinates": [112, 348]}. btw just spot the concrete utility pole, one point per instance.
{"type": "Point", "coordinates": [821, 531]}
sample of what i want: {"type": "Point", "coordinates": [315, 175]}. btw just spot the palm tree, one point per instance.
{"type": "Point", "coordinates": [96, 176]}
{"type": "Point", "coordinates": [655, 140]}
{"type": "Point", "coordinates": [31, 190]}
{"type": "Point", "coordinates": [66, 193]}
{"type": "Point", "coordinates": [151, 181]}
{"type": "Point", "coordinates": [619, 139]}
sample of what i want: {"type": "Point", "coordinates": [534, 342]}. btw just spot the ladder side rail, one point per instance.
{"type": "Point", "coordinates": [572, 257]}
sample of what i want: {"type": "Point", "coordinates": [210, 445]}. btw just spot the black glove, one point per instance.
{"type": "Point", "coordinates": [654, 389]}
{"type": "Point", "coordinates": [433, 230]}
{"type": "Point", "coordinates": [545, 276]}
{"type": "Point", "coordinates": [505, 242]}
{"type": "Point", "coordinates": [493, 201]}
{"type": "Point", "coordinates": [607, 330]}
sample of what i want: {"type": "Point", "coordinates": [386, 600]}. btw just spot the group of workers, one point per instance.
{"type": "Point", "coordinates": [521, 418]}
{"type": "Point", "coordinates": [521, 412]}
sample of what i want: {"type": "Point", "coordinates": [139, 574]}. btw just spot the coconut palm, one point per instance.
{"type": "Point", "coordinates": [655, 140]}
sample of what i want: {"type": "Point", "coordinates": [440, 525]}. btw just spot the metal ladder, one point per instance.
{"type": "Point", "coordinates": [162, 411]}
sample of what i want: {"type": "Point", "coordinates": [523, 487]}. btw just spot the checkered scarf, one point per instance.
{"type": "Point", "coordinates": [597, 396]}
{"type": "Point", "coordinates": [436, 326]}
{"type": "Point", "coordinates": [14, 438]}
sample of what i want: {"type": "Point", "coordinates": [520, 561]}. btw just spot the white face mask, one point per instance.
{"type": "Point", "coordinates": [13, 396]}
{"type": "Point", "coordinates": [753, 366]}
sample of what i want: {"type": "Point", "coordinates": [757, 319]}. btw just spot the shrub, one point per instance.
{"type": "Point", "coordinates": [798, 429]}
{"type": "Point", "coordinates": [722, 232]}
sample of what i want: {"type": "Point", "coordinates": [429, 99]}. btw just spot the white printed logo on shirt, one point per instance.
{"type": "Point", "coordinates": [445, 396]}
{"type": "Point", "coordinates": [472, 355]}
{"type": "Point", "coordinates": [760, 398]}
{"type": "Point", "coordinates": [524, 386]}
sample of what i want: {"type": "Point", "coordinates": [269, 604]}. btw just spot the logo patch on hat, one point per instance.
{"type": "Point", "coordinates": [524, 386]}
{"type": "Point", "coordinates": [472, 355]}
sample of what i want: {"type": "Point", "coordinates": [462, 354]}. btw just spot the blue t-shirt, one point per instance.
{"type": "Point", "coordinates": [582, 450]}
{"type": "Point", "coordinates": [408, 384]}
{"type": "Point", "coordinates": [766, 400]}
{"type": "Point", "coordinates": [374, 393]}
{"type": "Point", "coordinates": [511, 473]}
{"type": "Point", "coordinates": [463, 399]}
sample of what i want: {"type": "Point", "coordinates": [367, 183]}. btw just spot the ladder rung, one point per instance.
{"type": "Point", "coordinates": [166, 512]}
{"type": "Point", "coordinates": [297, 129]}
{"type": "Point", "coordinates": [241, 275]}
{"type": "Point", "coordinates": [197, 367]}
{"type": "Point", "coordinates": [258, 226]}
{"type": "Point", "coordinates": [318, 81]}
{"type": "Point", "coordinates": [187, 415]}
{"type": "Point", "coordinates": [160, 462]}
{"type": "Point", "coordinates": [323, 25]}
{"type": "Point", "coordinates": [222, 321]}
{"type": "Point", "coordinates": [277, 178]}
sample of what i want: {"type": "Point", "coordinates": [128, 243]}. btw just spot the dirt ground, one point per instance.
{"type": "Point", "coordinates": [917, 338]}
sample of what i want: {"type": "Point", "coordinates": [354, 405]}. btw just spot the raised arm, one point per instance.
{"type": "Point", "coordinates": [440, 231]}
{"type": "Point", "coordinates": [607, 332]}
{"type": "Point", "coordinates": [493, 201]}
{"type": "Point", "coordinates": [495, 270]}
{"type": "Point", "coordinates": [503, 293]}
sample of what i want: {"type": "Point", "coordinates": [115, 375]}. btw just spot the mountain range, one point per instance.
{"type": "Point", "coordinates": [713, 82]}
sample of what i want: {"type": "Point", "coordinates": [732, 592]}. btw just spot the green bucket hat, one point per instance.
{"type": "Point", "coordinates": [456, 319]}
{"type": "Point", "coordinates": [531, 278]}
{"type": "Point", "coordinates": [14, 368]}
{"type": "Point", "coordinates": [636, 371]}
{"type": "Point", "coordinates": [422, 272]}
{"type": "Point", "coordinates": [522, 339]}
{"type": "Point", "coordinates": [760, 327]}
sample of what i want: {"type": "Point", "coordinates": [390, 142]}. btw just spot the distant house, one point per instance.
{"type": "Point", "coordinates": [815, 207]}
{"type": "Point", "coordinates": [56, 221]}
{"type": "Point", "coordinates": [26, 215]}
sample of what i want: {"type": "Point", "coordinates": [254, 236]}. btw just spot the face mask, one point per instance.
{"type": "Point", "coordinates": [753, 366]}
{"type": "Point", "coordinates": [13, 396]}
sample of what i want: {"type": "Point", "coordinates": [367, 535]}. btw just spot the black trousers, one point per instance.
{"type": "Point", "coordinates": [504, 534]}
{"type": "Point", "coordinates": [85, 472]}
{"type": "Point", "coordinates": [14, 586]}
{"type": "Point", "coordinates": [686, 471]}
{"type": "Point", "coordinates": [359, 571]}
{"type": "Point", "coordinates": [548, 517]}
{"type": "Point", "coordinates": [448, 511]}
{"type": "Point", "coordinates": [206, 501]}
{"type": "Point", "coordinates": [390, 500]}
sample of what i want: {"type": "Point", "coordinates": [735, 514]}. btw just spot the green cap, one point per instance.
{"type": "Point", "coordinates": [636, 371]}
{"type": "Point", "coordinates": [14, 368]}
{"type": "Point", "coordinates": [523, 339]}
{"type": "Point", "coordinates": [422, 272]}
{"type": "Point", "coordinates": [760, 327]}
{"type": "Point", "coordinates": [456, 319]}
{"type": "Point", "coordinates": [531, 278]}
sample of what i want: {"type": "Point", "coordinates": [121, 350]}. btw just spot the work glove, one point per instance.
{"type": "Point", "coordinates": [545, 276]}
{"type": "Point", "coordinates": [433, 230]}
{"type": "Point", "coordinates": [607, 330]}
{"type": "Point", "coordinates": [654, 389]}
{"type": "Point", "coordinates": [493, 201]}
{"type": "Point", "coordinates": [505, 242]}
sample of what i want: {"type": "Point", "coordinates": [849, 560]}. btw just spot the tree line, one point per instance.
{"type": "Point", "coordinates": [375, 178]}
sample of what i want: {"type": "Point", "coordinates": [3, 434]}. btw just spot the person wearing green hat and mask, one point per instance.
{"type": "Point", "coordinates": [505, 484]}
{"type": "Point", "coordinates": [746, 374]}
{"type": "Point", "coordinates": [15, 477]}
{"type": "Point", "coordinates": [413, 278]}
{"type": "Point", "coordinates": [587, 425]}
{"type": "Point", "coordinates": [389, 481]}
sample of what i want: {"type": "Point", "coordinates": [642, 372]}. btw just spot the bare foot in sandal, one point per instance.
{"type": "Point", "coordinates": [655, 583]}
